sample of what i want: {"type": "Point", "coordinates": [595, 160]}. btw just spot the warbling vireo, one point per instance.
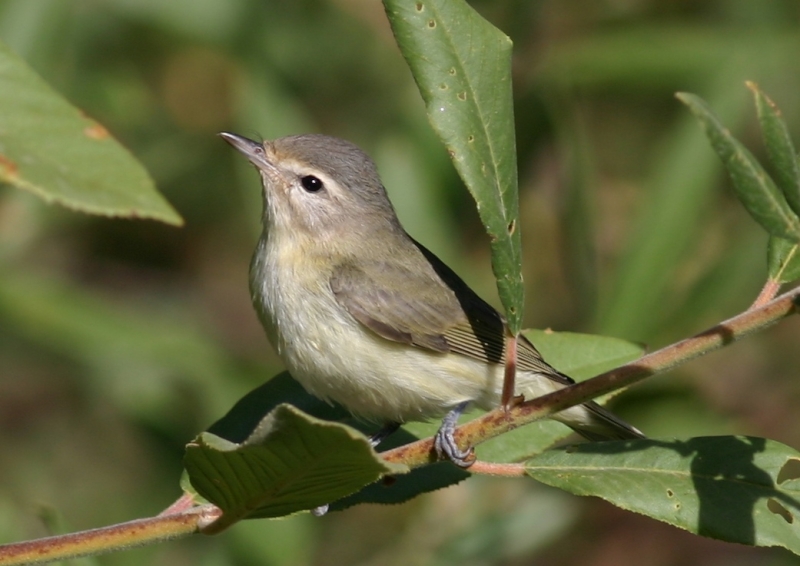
{"type": "Point", "coordinates": [363, 315]}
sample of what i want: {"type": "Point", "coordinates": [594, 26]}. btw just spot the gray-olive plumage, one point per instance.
{"type": "Point", "coordinates": [364, 315]}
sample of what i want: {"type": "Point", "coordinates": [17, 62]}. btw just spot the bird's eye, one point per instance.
{"type": "Point", "coordinates": [311, 183]}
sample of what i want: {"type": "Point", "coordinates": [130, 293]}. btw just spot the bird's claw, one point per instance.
{"type": "Point", "coordinates": [445, 443]}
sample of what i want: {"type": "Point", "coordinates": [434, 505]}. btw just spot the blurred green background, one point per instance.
{"type": "Point", "coordinates": [120, 340]}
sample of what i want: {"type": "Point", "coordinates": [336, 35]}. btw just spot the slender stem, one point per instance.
{"type": "Point", "coordinates": [510, 375]}
{"type": "Point", "coordinates": [107, 539]}
{"type": "Point", "coordinates": [768, 292]}
{"type": "Point", "coordinates": [499, 421]}
{"type": "Point", "coordinates": [183, 503]}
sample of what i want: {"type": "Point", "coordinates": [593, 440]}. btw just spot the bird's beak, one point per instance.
{"type": "Point", "coordinates": [252, 150]}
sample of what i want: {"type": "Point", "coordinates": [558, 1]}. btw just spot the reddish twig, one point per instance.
{"type": "Point", "coordinates": [107, 539]}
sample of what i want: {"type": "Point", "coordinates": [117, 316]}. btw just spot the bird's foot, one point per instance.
{"type": "Point", "coordinates": [445, 443]}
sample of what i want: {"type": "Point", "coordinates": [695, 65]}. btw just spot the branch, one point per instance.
{"type": "Point", "coordinates": [503, 470]}
{"type": "Point", "coordinates": [499, 421]}
{"type": "Point", "coordinates": [107, 539]}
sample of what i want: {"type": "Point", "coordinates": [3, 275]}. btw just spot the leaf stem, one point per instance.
{"type": "Point", "coordinates": [107, 539]}
{"type": "Point", "coordinates": [510, 372]}
{"type": "Point", "coordinates": [498, 421]}
{"type": "Point", "coordinates": [768, 292]}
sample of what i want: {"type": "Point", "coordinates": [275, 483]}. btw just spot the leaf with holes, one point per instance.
{"type": "Point", "coordinates": [291, 462]}
{"type": "Point", "coordinates": [49, 148]}
{"type": "Point", "coordinates": [462, 66]}
{"type": "Point", "coordinates": [754, 187]}
{"type": "Point", "coordinates": [731, 488]}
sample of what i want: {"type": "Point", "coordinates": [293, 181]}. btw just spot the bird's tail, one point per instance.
{"type": "Point", "coordinates": [590, 420]}
{"type": "Point", "coordinates": [599, 424]}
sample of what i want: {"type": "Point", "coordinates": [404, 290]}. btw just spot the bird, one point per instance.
{"type": "Point", "coordinates": [365, 316]}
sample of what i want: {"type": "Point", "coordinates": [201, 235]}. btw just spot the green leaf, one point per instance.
{"type": "Point", "coordinates": [780, 149]}
{"type": "Point", "coordinates": [462, 66]}
{"type": "Point", "coordinates": [753, 185]}
{"type": "Point", "coordinates": [291, 462]}
{"type": "Point", "coordinates": [245, 416]}
{"type": "Point", "coordinates": [582, 356]}
{"type": "Point", "coordinates": [783, 260]}
{"type": "Point", "coordinates": [402, 488]}
{"type": "Point", "coordinates": [50, 148]}
{"type": "Point", "coordinates": [732, 488]}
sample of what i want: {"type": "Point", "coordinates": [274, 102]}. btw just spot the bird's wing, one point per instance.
{"type": "Point", "coordinates": [427, 307]}
{"type": "Point", "coordinates": [397, 304]}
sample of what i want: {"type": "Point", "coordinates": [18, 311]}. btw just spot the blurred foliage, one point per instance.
{"type": "Point", "coordinates": [628, 224]}
{"type": "Point", "coordinates": [53, 150]}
